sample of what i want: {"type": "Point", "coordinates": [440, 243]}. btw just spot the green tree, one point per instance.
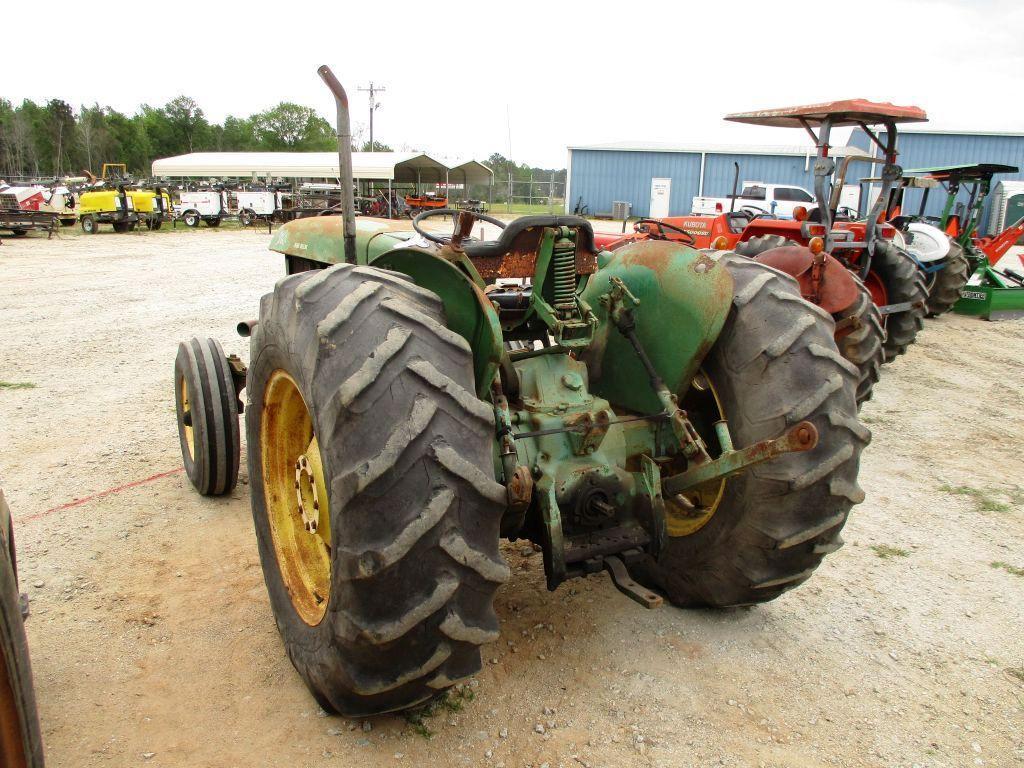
{"type": "Point", "coordinates": [292, 127]}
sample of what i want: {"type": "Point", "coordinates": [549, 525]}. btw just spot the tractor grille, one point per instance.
{"type": "Point", "coordinates": [9, 202]}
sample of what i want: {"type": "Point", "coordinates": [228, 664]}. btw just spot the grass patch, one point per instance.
{"type": "Point", "coordinates": [988, 499]}
{"type": "Point", "coordinates": [452, 700]}
{"type": "Point", "coordinates": [885, 551]}
{"type": "Point", "coordinates": [17, 385]}
{"type": "Point", "coordinates": [1017, 672]}
{"type": "Point", "coordinates": [1013, 570]}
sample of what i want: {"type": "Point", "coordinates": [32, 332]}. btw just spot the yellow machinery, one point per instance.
{"type": "Point", "coordinates": [152, 206]}
{"type": "Point", "coordinates": [112, 205]}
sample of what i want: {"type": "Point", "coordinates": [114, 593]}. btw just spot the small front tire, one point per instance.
{"type": "Point", "coordinates": [207, 408]}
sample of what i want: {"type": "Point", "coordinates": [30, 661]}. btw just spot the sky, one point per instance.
{"type": "Point", "coordinates": [528, 79]}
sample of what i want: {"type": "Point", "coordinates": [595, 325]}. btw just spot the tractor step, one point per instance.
{"type": "Point", "coordinates": [622, 581]}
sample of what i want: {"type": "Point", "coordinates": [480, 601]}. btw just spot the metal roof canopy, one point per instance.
{"type": "Point", "coordinates": [840, 113]}
{"type": "Point", "coordinates": [965, 171]}
{"type": "Point", "coordinates": [715, 149]}
{"type": "Point", "coordinates": [471, 172]}
{"type": "Point", "coordinates": [907, 182]}
{"type": "Point", "coordinates": [395, 166]}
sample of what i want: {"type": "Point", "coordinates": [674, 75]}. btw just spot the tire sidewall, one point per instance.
{"type": "Point", "coordinates": [196, 468]}
{"type": "Point", "coordinates": [270, 358]}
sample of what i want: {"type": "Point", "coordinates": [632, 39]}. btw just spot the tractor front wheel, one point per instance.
{"type": "Point", "coordinates": [207, 410]}
{"type": "Point", "coordinates": [764, 531]}
{"type": "Point", "coordinates": [945, 284]}
{"type": "Point", "coordinates": [373, 491]}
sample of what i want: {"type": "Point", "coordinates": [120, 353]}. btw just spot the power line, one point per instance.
{"type": "Point", "coordinates": [373, 90]}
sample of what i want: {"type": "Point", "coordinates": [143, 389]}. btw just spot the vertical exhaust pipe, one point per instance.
{"type": "Point", "coordinates": [348, 203]}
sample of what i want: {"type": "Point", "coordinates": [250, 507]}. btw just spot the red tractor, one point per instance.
{"type": "Point", "coordinates": [850, 268]}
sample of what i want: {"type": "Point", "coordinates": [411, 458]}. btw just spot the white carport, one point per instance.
{"type": "Point", "coordinates": [404, 167]}
{"type": "Point", "coordinates": [472, 172]}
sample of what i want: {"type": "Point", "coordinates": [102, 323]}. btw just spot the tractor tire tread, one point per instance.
{"type": "Point", "coordinates": [408, 446]}
{"type": "Point", "coordinates": [777, 521]}
{"type": "Point", "coordinates": [945, 290]}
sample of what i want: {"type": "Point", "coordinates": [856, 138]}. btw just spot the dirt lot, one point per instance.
{"type": "Point", "coordinates": [153, 642]}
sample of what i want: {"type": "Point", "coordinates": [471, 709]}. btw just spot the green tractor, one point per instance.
{"type": "Point", "coordinates": [679, 418]}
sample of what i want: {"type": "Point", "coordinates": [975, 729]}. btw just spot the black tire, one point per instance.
{"type": "Point", "coordinates": [121, 226]}
{"type": "Point", "coordinates": [864, 345]}
{"type": "Point", "coordinates": [758, 245]}
{"type": "Point", "coordinates": [774, 365]}
{"type": "Point", "coordinates": [945, 285]}
{"type": "Point", "coordinates": [21, 745]}
{"type": "Point", "coordinates": [202, 379]}
{"type": "Point", "coordinates": [19, 232]}
{"type": "Point", "coordinates": [414, 508]}
{"type": "Point", "coordinates": [191, 219]}
{"type": "Point", "coordinates": [89, 225]}
{"type": "Point", "coordinates": [154, 224]}
{"type": "Point", "coordinates": [903, 282]}
{"type": "Point", "coordinates": [212, 222]}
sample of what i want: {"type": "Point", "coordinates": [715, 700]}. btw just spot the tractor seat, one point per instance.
{"type": "Point", "coordinates": [507, 242]}
{"type": "Point", "coordinates": [514, 253]}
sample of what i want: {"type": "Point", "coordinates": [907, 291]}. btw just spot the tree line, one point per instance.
{"type": "Point", "coordinates": [53, 139]}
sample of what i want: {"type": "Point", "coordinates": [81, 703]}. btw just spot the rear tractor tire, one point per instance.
{"type": "Point", "coordinates": [774, 365]}
{"type": "Point", "coordinates": [21, 745]}
{"type": "Point", "coordinates": [863, 345]}
{"type": "Point", "coordinates": [898, 275]}
{"type": "Point", "coordinates": [207, 408]}
{"type": "Point", "coordinates": [945, 284]}
{"type": "Point", "coordinates": [373, 492]}
{"type": "Point", "coordinates": [758, 245]}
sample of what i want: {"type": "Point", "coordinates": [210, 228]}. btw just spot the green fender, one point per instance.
{"type": "Point", "coordinates": [685, 296]}
{"type": "Point", "coordinates": [390, 245]}
{"type": "Point", "coordinates": [468, 311]}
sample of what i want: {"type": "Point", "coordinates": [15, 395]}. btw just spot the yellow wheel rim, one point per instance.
{"type": "Point", "coordinates": [186, 420]}
{"type": "Point", "coordinates": [296, 497]}
{"type": "Point", "coordinates": [701, 503]}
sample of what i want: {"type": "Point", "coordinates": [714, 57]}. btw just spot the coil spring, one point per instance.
{"type": "Point", "coordinates": [564, 277]}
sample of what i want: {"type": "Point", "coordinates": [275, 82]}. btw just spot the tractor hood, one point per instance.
{"type": "Point", "coordinates": [320, 238]}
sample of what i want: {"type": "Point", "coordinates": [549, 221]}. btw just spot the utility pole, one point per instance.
{"type": "Point", "coordinates": [373, 90]}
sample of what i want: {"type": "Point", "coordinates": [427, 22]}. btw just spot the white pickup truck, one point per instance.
{"type": "Point", "coordinates": [778, 199]}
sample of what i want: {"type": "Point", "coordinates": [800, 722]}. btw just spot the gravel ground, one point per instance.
{"type": "Point", "coordinates": [152, 638]}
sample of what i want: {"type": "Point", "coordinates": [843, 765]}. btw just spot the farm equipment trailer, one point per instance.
{"type": "Point", "coordinates": [406, 407]}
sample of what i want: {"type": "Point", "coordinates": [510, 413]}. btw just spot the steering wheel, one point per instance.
{"type": "Point", "coordinates": [662, 226]}
{"type": "Point", "coordinates": [441, 239]}
{"type": "Point", "coordinates": [754, 211]}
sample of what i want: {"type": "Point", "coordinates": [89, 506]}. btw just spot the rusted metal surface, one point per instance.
{"type": "Point", "coordinates": [634, 591]}
{"type": "Point", "coordinates": [802, 437]}
{"type": "Point", "coordinates": [822, 279]}
{"type": "Point", "coordinates": [520, 260]}
{"type": "Point", "coordinates": [844, 112]}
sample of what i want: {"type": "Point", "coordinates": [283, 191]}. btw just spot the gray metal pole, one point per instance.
{"type": "Point", "coordinates": [348, 203]}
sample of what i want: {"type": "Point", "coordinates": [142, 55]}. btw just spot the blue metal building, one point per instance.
{"type": "Point", "coordinates": [603, 173]}
{"type": "Point", "coordinates": [922, 148]}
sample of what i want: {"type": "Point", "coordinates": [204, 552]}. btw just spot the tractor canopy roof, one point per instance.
{"type": "Point", "coordinates": [906, 181]}
{"type": "Point", "coordinates": [965, 171]}
{"type": "Point", "coordinates": [845, 112]}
